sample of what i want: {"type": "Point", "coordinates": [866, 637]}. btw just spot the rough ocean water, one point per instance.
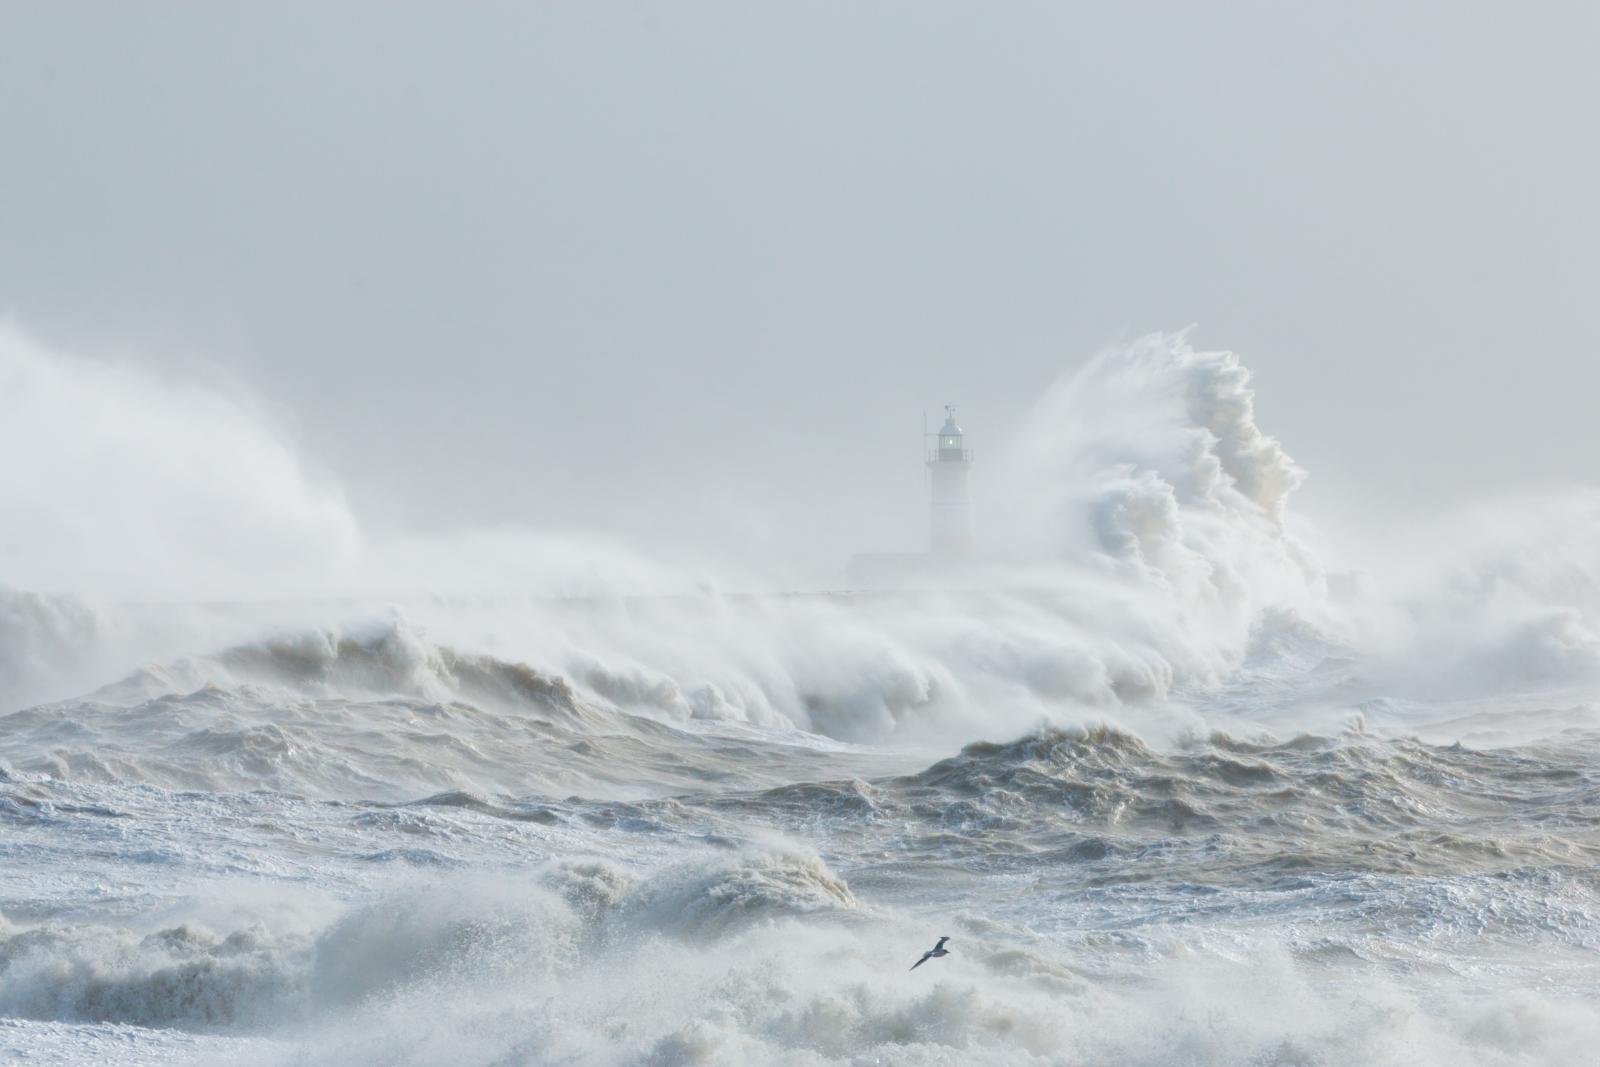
{"type": "Point", "coordinates": [1178, 788]}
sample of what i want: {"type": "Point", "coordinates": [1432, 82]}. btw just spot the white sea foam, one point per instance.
{"type": "Point", "coordinates": [293, 790]}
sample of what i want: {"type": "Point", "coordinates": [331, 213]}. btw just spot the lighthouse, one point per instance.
{"type": "Point", "coordinates": [949, 463]}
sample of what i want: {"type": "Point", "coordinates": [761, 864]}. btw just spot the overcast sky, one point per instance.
{"type": "Point", "coordinates": [693, 269]}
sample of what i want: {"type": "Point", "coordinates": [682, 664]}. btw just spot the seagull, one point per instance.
{"type": "Point", "coordinates": [933, 953]}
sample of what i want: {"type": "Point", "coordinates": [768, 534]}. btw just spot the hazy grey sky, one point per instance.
{"type": "Point", "coordinates": [672, 269]}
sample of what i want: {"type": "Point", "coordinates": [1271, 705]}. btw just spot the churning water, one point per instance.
{"type": "Point", "coordinates": [1178, 790]}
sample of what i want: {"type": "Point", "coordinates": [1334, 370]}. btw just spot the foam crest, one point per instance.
{"type": "Point", "coordinates": [184, 976]}
{"type": "Point", "coordinates": [762, 887]}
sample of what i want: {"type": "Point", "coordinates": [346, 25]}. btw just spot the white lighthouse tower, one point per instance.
{"type": "Point", "coordinates": [949, 463]}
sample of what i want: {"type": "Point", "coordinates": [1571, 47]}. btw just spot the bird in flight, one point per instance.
{"type": "Point", "coordinates": [933, 953]}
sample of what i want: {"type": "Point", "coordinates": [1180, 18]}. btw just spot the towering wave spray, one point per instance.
{"type": "Point", "coordinates": [120, 484]}
{"type": "Point", "coordinates": [1145, 553]}
{"type": "Point", "coordinates": [1145, 478]}
{"type": "Point", "coordinates": [1153, 537]}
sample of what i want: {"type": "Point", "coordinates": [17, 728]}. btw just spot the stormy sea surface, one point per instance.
{"type": "Point", "coordinates": [1178, 788]}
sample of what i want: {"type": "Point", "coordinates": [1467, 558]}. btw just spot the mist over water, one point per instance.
{"type": "Point", "coordinates": [1184, 781]}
